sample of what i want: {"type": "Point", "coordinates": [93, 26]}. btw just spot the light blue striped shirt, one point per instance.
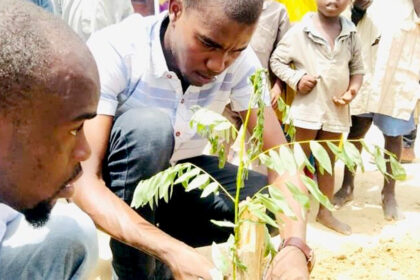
{"type": "Point", "coordinates": [133, 73]}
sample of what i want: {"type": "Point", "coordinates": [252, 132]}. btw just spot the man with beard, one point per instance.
{"type": "Point", "coordinates": [48, 88]}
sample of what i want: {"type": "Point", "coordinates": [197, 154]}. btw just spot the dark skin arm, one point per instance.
{"type": "Point", "coordinates": [117, 219]}
{"type": "Point", "coordinates": [290, 263]}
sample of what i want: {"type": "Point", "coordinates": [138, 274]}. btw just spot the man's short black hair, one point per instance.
{"type": "Point", "coordinates": [242, 11]}
{"type": "Point", "coordinates": [27, 35]}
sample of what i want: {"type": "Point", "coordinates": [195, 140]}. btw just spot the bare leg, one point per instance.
{"type": "Point", "coordinates": [358, 131]}
{"type": "Point", "coordinates": [389, 204]}
{"type": "Point", "coordinates": [326, 185]}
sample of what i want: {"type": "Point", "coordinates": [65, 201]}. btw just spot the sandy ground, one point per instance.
{"type": "Point", "coordinates": [377, 249]}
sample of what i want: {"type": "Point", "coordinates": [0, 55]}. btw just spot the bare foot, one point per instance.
{"type": "Point", "coordinates": [326, 218]}
{"type": "Point", "coordinates": [344, 195]}
{"type": "Point", "coordinates": [390, 208]}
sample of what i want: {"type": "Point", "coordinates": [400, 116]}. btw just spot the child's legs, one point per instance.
{"type": "Point", "coordinates": [304, 134]}
{"type": "Point", "coordinates": [326, 180]}
{"type": "Point", "coordinates": [326, 185]}
{"type": "Point", "coordinates": [358, 130]}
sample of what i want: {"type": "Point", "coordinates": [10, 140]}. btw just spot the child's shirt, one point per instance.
{"type": "Point", "coordinates": [305, 48]}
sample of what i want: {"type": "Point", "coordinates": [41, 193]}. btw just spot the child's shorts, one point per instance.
{"type": "Point", "coordinates": [391, 126]}
{"type": "Point", "coordinates": [314, 125]}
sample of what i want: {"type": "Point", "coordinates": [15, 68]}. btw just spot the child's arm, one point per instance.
{"type": "Point", "coordinates": [356, 73]}
{"type": "Point", "coordinates": [280, 62]}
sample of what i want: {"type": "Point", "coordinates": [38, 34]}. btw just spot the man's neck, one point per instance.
{"type": "Point", "coordinates": [167, 52]}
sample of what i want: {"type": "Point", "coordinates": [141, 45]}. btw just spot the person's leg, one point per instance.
{"type": "Point", "coordinates": [141, 145]}
{"type": "Point", "coordinates": [65, 248]}
{"type": "Point", "coordinates": [326, 185]}
{"type": "Point", "coordinates": [408, 154]}
{"type": "Point", "coordinates": [393, 144]}
{"type": "Point", "coordinates": [392, 129]}
{"type": "Point", "coordinates": [187, 216]}
{"type": "Point", "coordinates": [358, 130]}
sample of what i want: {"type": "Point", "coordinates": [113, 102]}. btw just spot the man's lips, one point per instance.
{"type": "Point", "coordinates": [205, 77]}
{"type": "Point", "coordinates": [68, 190]}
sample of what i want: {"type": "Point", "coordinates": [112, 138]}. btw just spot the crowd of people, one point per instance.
{"type": "Point", "coordinates": [95, 98]}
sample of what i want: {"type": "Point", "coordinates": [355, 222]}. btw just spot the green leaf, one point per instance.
{"type": "Point", "coordinates": [269, 247]}
{"type": "Point", "coordinates": [268, 203]}
{"type": "Point", "coordinates": [198, 182]}
{"type": "Point", "coordinates": [210, 188]}
{"type": "Point", "coordinates": [219, 259]}
{"type": "Point", "coordinates": [188, 175]}
{"type": "Point", "coordinates": [300, 196]}
{"type": "Point", "coordinates": [277, 163]}
{"type": "Point", "coordinates": [312, 186]}
{"type": "Point", "coordinates": [281, 201]}
{"type": "Point", "coordinates": [301, 158]}
{"type": "Point", "coordinates": [223, 223]}
{"type": "Point", "coordinates": [321, 156]}
{"type": "Point", "coordinates": [398, 171]}
{"type": "Point", "coordinates": [351, 152]}
{"type": "Point", "coordinates": [260, 214]}
{"type": "Point", "coordinates": [339, 154]}
{"type": "Point", "coordinates": [288, 160]}
{"type": "Point", "coordinates": [379, 160]}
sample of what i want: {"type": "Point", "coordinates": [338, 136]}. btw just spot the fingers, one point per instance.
{"type": "Point", "coordinates": [338, 101]}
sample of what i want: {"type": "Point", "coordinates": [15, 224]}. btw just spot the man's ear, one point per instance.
{"type": "Point", "coordinates": [175, 9]}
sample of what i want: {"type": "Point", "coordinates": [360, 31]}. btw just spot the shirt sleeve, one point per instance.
{"type": "Point", "coordinates": [280, 63]}
{"type": "Point", "coordinates": [242, 89]}
{"type": "Point", "coordinates": [112, 71]}
{"type": "Point", "coordinates": [356, 63]}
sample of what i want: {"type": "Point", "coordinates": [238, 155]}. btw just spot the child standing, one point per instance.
{"type": "Point", "coordinates": [327, 74]}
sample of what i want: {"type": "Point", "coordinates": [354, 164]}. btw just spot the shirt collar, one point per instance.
{"type": "Point", "coordinates": [347, 27]}
{"type": "Point", "coordinates": [159, 65]}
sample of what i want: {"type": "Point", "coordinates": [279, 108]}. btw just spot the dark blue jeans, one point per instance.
{"type": "Point", "coordinates": [141, 145]}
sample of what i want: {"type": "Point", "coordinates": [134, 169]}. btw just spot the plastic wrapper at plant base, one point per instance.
{"type": "Point", "coordinates": [251, 216]}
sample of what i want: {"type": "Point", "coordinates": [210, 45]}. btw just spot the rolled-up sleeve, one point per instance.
{"type": "Point", "coordinates": [112, 73]}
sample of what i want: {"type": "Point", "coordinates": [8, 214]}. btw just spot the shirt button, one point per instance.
{"type": "Point", "coordinates": [169, 76]}
{"type": "Point", "coordinates": [177, 134]}
{"type": "Point", "coordinates": [182, 101]}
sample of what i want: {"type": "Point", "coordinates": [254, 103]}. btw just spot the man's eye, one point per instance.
{"type": "Point", "coordinates": [74, 132]}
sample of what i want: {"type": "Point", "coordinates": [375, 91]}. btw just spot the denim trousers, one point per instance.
{"type": "Point", "coordinates": [141, 145]}
{"type": "Point", "coordinates": [65, 248]}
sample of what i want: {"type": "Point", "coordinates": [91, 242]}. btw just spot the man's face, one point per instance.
{"type": "Point", "coordinates": [44, 143]}
{"type": "Point", "coordinates": [332, 8]}
{"type": "Point", "coordinates": [204, 42]}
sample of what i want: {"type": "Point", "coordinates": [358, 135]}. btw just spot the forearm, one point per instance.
{"type": "Point", "coordinates": [356, 82]}
{"type": "Point", "coordinates": [288, 226]}
{"type": "Point", "coordinates": [117, 219]}
{"type": "Point", "coordinates": [284, 72]}
{"type": "Point", "coordinates": [273, 137]}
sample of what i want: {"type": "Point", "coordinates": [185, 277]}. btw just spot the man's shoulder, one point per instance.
{"type": "Point", "coordinates": [133, 32]}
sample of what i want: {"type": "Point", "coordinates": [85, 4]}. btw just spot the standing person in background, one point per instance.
{"type": "Point", "coordinates": [88, 16]}
{"type": "Point", "coordinates": [394, 93]}
{"type": "Point", "coordinates": [327, 74]}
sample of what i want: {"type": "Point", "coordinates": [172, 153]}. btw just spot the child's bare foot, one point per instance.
{"type": "Point", "coordinates": [326, 218]}
{"type": "Point", "coordinates": [344, 195]}
{"type": "Point", "coordinates": [390, 208]}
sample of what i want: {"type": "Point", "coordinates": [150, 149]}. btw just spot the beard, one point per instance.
{"type": "Point", "coordinates": [38, 215]}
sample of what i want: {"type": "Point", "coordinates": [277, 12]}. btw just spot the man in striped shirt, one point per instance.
{"type": "Point", "coordinates": [153, 70]}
